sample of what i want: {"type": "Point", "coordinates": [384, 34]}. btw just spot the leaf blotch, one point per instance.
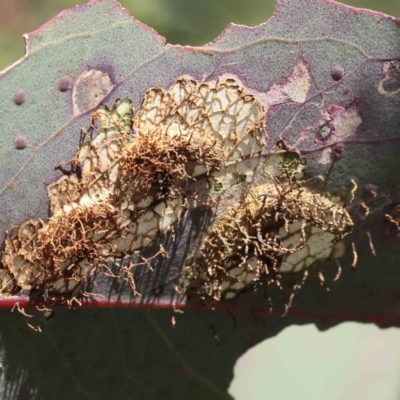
{"type": "Point", "coordinates": [90, 89]}
{"type": "Point", "coordinates": [390, 84]}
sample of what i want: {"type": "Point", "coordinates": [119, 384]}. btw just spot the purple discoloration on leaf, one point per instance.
{"type": "Point", "coordinates": [337, 123]}
{"type": "Point", "coordinates": [337, 72]}
{"type": "Point", "coordinates": [19, 97]}
{"type": "Point", "coordinates": [20, 142]}
{"type": "Point", "coordinates": [338, 148]}
{"type": "Point", "coordinates": [64, 84]}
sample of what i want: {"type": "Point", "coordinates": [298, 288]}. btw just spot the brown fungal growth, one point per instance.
{"type": "Point", "coordinates": [279, 227]}
{"type": "Point", "coordinates": [133, 180]}
{"type": "Point", "coordinates": [221, 118]}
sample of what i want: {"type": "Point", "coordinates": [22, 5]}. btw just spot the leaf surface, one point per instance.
{"type": "Point", "coordinates": [328, 77]}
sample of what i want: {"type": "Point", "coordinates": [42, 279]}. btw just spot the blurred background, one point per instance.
{"type": "Point", "coordinates": [351, 361]}
{"type": "Point", "coordinates": [186, 22]}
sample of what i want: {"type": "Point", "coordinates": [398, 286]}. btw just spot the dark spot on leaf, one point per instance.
{"type": "Point", "coordinates": [338, 148]}
{"type": "Point", "coordinates": [337, 73]}
{"type": "Point", "coordinates": [29, 391]}
{"type": "Point", "coordinates": [158, 291]}
{"type": "Point", "coordinates": [369, 191]}
{"type": "Point", "coordinates": [64, 84]}
{"type": "Point", "coordinates": [19, 97]}
{"type": "Point", "coordinates": [395, 211]}
{"type": "Point", "coordinates": [20, 142]}
{"type": "Point", "coordinates": [74, 168]}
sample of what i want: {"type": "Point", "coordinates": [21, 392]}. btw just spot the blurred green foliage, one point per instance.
{"type": "Point", "coordinates": [193, 22]}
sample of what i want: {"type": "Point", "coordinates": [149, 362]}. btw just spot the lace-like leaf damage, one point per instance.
{"type": "Point", "coordinates": [135, 179]}
{"type": "Point", "coordinates": [274, 230]}
{"type": "Point", "coordinates": [133, 182]}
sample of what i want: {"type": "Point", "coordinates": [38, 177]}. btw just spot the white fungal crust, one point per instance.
{"type": "Point", "coordinates": [132, 181]}
{"type": "Point", "coordinates": [279, 227]}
